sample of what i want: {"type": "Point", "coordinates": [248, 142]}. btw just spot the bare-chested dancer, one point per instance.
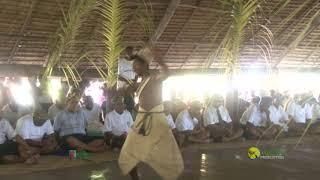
{"type": "Point", "coordinates": [151, 140]}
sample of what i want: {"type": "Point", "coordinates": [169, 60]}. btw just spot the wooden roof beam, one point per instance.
{"type": "Point", "coordinates": [25, 23]}
{"type": "Point", "coordinates": [164, 21]}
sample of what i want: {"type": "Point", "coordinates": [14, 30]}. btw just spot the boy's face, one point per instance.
{"type": "Point", "coordinates": [119, 107]}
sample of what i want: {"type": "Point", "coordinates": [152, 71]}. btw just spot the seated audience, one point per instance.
{"type": "Point", "coordinates": [118, 123]}
{"type": "Point", "coordinates": [14, 151]}
{"type": "Point", "coordinates": [189, 127]}
{"type": "Point", "coordinates": [57, 107]}
{"type": "Point", "coordinates": [297, 116]}
{"type": "Point", "coordinates": [315, 126]}
{"type": "Point", "coordinates": [278, 116]}
{"type": "Point", "coordinates": [217, 121]}
{"type": "Point", "coordinates": [258, 125]}
{"type": "Point", "coordinates": [93, 112]}
{"type": "Point", "coordinates": [252, 107]}
{"type": "Point", "coordinates": [37, 131]}
{"type": "Point", "coordinates": [70, 125]}
{"type": "Point", "coordinates": [167, 107]}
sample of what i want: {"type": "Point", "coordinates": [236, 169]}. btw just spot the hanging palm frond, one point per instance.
{"type": "Point", "coordinates": [242, 12]}
{"type": "Point", "coordinates": [68, 30]}
{"type": "Point", "coordinates": [113, 12]}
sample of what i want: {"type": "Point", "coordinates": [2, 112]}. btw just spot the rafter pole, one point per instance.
{"type": "Point", "coordinates": [164, 21]}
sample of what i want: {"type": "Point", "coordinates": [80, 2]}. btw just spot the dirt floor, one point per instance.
{"type": "Point", "coordinates": [225, 161]}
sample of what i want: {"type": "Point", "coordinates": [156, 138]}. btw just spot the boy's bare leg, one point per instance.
{"type": "Point", "coordinates": [79, 145]}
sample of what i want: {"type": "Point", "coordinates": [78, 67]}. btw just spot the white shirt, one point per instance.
{"type": "Point", "coordinates": [125, 69]}
{"type": "Point", "coordinates": [210, 115]}
{"type": "Point", "coordinates": [29, 130]}
{"type": "Point", "coordinates": [6, 130]}
{"type": "Point", "coordinates": [53, 111]}
{"type": "Point", "coordinates": [118, 124]}
{"type": "Point", "coordinates": [257, 118]}
{"type": "Point", "coordinates": [278, 115]}
{"type": "Point", "coordinates": [308, 108]}
{"type": "Point", "coordinates": [185, 122]}
{"type": "Point", "coordinates": [170, 121]}
{"type": "Point", "coordinates": [316, 112]}
{"type": "Point", "coordinates": [12, 116]}
{"type": "Point", "coordinates": [93, 119]}
{"type": "Point", "coordinates": [297, 112]}
{"type": "Point", "coordinates": [246, 115]}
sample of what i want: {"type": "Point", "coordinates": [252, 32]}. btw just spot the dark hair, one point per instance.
{"type": "Point", "coordinates": [140, 60]}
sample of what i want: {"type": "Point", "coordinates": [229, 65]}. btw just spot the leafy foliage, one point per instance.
{"type": "Point", "coordinates": [65, 36]}
{"type": "Point", "coordinates": [113, 12]}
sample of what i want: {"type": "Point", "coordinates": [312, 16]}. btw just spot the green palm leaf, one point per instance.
{"type": "Point", "coordinates": [113, 12]}
{"type": "Point", "coordinates": [68, 30]}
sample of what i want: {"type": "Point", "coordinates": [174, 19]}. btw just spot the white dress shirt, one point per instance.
{"type": "Point", "coordinates": [257, 118]}
{"type": "Point", "coordinates": [125, 69]}
{"type": "Point", "coordinates": [29, 130]}
{"type": "Point", "coordinates": [170, 121]}
{"type": "Point", "coordinates": [6, 131]}
{"type": "Point", "coordinates": [185, 122]}
{"type": "Point", "coordinates": [297, 112]}
{"type": "Point", "coordinates": [316, 112]}
{"type": "Point", "coordinates": [93, 118]}
{"type": "Point", "coordinates": [278, 115]}
{"type": "Point", "coordinates": [118, 124]}
{"type": "Point", "coordinates": [210, 115]}
{"type": "Point", "coordinates": [246, 115]}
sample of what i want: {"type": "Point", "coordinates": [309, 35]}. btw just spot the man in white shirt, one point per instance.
{"type": "Point", "coordinates": [57, 107]}
{"type": "Point", "coordinates": [167, 107]}
{"type": "Point", "coordinates": [13, 151]}
{"type": "Point", "coordinates": [118, 123]}
{"type": "Point", "coordinates": [218, 122]}
{"type": "Point", "coordinates": [298, 116]}
{"type": "Point", "coordinates": [71, 124]}
{"type": "Point", "coordinates": [189, 125]}
{"type": "Point", "coordinates": [93, 114]}
{"type": "Point", "coordinates": [315, 118]}
{"type": "Point", "coordinates": [278, 116]}
{"type": "Point", "coordinates": [38, 132]}
{"type": "Point", "coordinates": [258, 123]}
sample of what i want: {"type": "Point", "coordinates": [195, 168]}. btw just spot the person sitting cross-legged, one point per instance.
{"type": "Point", "coordinates": [93, 111]}
{"type": "Point", "coordinates": [13, 149]}
{"type": "Point", "coordinates": [278, 116]}
{"type": "Point", "coordinates": [189, 126]}
{"type": "Point", "coordinates": [118, 123]}
{"type": "Point", "coordinates": [218, 122]}
{"type": "Point", "coordinates": [37, 131]}
{"type": "Point", "coordinates": [258, 125]}
{"type": "Point", "coordinates": [70, 125]}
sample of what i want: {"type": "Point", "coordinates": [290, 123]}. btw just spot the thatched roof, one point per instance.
{"type": "Point", "coordinates": [186, 39]}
